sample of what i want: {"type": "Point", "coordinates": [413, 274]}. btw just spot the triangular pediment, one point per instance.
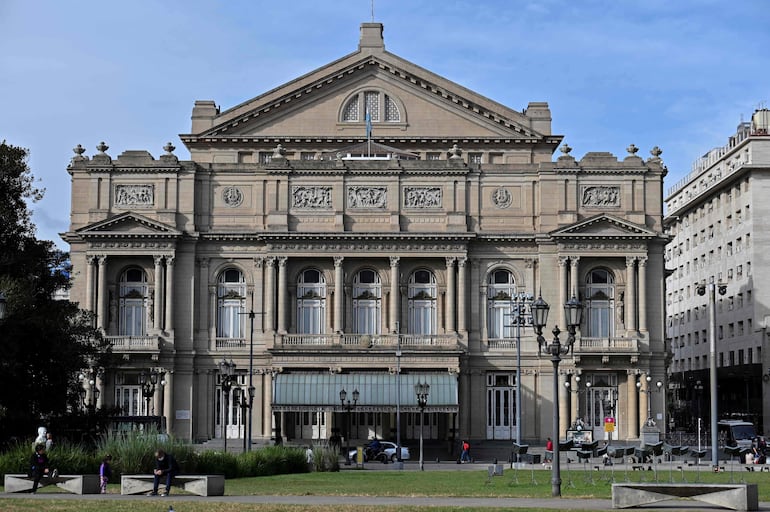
{"type": "Point", "coordinates": [128, 225]}
{"type": "Point", "coordinates": [310, 105]}
{"type": "Point", "coordinates": [604, 226]}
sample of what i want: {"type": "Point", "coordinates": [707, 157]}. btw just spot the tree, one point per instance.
{"type": "Point", "coordinates": [44, 342]}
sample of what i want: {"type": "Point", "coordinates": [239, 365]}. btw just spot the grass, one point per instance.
{"type": "Point", "coordinates": [466, 483]}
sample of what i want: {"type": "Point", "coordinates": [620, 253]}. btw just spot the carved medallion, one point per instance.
{"type": "Point", "coordinates": [311, 197]}
{"type": "Point", "coordinates": [422, 197]}
{"type": "Point", "coordinates": [367, 197]}
{"type": "Point", "coordinates": [501, 197]}
{"type": "Point", "coordinates": [135, 196]}
{"type": "Point", "coordinates": [601, 197]}
{"type": "Point", "coordinates": [232, 196]}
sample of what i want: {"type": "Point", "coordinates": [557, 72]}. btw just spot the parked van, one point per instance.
{"type": "Point", "coordinates": [736, 433]}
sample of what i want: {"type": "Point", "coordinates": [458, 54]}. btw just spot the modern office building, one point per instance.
{"type": "Point", "coordinates": [715, 219]}
{"type": "Point", "coordinates": [369, 226]}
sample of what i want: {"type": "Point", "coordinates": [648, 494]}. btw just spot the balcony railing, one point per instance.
{"type": "Point", "coordinates": [231, 343]}
{"type": "Point", "coordinates": [369, 340]}
{"type": "Point", "coordinates": [502, 343]}
{"type": "Point", "coordinates": [134, 343]}
{"type": "Point", "coordinates": [600, 345]}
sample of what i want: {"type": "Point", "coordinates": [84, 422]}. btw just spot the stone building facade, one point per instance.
{"type": "Point", "coordinates": [368, 226]}
{"type": "Point", "coordinates": [711, 216]}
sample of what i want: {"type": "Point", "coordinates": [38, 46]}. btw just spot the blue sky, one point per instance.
{"type": "Point", "coordinates": [677, 74]}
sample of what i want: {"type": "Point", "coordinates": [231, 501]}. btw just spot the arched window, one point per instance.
{"type": "Point", "coordinates": [133, 303]}
{"type": "Point", "coordinates": [501, 287]}
{"type": "Point", "coordinates": [231, 297]}
{"type": "Point", "coordinates": [600, 303]}
{"type": "Point", "coordinates": [311, 302]}
{"type": "Point", "coordinates": [380, 106]}
{"type": "Point", "coordinates": [367, 302]}
{"type": "Point", "coordinates": [422, 302]}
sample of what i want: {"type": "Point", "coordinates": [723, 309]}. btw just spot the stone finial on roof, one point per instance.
{"type": "Point", "coordinates": [455, 153]}
{"type": "Point", "coordinates": [565, 148]}
{"type": "Point", "coordinates": [656, 152]}
{"type": "Point", "coordinates": [79, 150]}
{"type": "Point", "coordinates": [632, 149]}
{"type": "Point", "coordinates": [169, 148]}
{"type": "Point", "coordinates": [102, 148]}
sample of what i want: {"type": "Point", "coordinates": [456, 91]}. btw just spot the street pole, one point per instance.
{"type": "Point", "coordinates": [713, 370]}
{"type": "Point", "coordinates": [398, 397]}
{"type": "Point", "coordinates": [251, 376]}
{"type": "Point", "coordinates": [422, 391]}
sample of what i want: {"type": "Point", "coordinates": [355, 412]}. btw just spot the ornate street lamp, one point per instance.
{"type": "Point", "coordinates": [148, 387]}
{"type": "Point", "coordinates": [227, 377]}
{"type": "Point", "coordinates": [348, 407]}
{"type": "Point", "coordinates": [573, 310]}
{"type": "Point", "coordinates": [89, 378]}
{"type": "Point", "coordinates": [658, 384]}
{"type": "Point", "coordinates": [422, 391]}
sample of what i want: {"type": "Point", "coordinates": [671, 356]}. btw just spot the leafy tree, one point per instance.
{"type": "Point", "coordinates": [44, 342]}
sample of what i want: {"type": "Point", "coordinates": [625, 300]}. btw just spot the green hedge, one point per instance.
{"type": "Point", "coordinates": [134, 453]}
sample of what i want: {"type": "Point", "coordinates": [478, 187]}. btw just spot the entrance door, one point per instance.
{"type": "Point", "coordinates": [501, 405]}
{"type": "Point", "coordinates": [231, 419]}
{"type": "Point", "coordinates": [601, 405]}
{"type": "Point", "coordinates": [429, 429]}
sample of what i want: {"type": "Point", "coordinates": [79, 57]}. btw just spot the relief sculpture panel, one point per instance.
{"type": "Point", "coordinates": [311, 197]}
{"type": "Point", "coordinates": [367, 197]}
{"type": "Point", "coordinates": [600, 197]}
{"type": "Point", "coordinates": [135, 196]}
{"type": "Point", "coordinates": [422, 197]}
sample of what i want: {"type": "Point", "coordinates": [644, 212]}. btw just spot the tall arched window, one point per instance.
{"type": "Point", "coordinates": [422, 302]}
{"type": "Point", "coordinates": [133, 303]}
{"type": "Point", "coordinates": [311, 302]}
{"type": "Point", "coordinates": [600, 303]}
{"type": "Point", "coordinates": [380, 106]}
{"type": "Point", "coordinates": [231, 297]}
{"type": "Point", "coordinates": [501, 287]}
{"type": "Point", "coordinates": [367, 302]}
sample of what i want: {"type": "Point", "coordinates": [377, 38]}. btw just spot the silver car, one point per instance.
{"type": "Point", "coordinates": [387, 453]}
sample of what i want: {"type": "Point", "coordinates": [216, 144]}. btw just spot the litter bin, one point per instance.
{"type": "Point", "coordinates": [535, 458]}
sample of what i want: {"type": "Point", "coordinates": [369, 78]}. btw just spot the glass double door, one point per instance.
{"type": "Point", "coordinates": [601, 403]}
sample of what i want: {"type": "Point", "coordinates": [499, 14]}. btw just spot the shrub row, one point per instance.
{"type": "Point", "coordinates": [134, 453]}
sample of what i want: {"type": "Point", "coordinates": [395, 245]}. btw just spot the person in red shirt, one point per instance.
{"type": "Point", "coordinates": [549, 450]}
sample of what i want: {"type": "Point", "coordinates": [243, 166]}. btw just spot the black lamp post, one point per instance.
{"type": "Point", "coordinates": [89, 378]}
{"type": "Point", "coordinates": [573, 310]}
{"type": "Point", "coordinates": [422, 391]}
{"type": "Point", "coordinates": [348, 407]}
{"type": "Point", "coordinates": [568, 385]}
{"type": "Point", "coordinates": [227, 375]}
{"type": "Point", "coordinates": [148, 386]}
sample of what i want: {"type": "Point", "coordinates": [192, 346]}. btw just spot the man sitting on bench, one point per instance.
{"type": "Point", "coordinates": [166, 467]}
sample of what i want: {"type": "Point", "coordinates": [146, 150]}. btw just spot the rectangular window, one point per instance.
{"type": "Point", "coordinates": [307, 155]}
{"type": "Point", "coordinates": [265, 157]}
{"type": "Point", "coordinates": [433, 156]}
{"type": "Point", "coordinates": [474, 158]}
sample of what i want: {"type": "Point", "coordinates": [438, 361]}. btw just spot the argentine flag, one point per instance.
{"type": "Point", "coordinates": [368, 125]}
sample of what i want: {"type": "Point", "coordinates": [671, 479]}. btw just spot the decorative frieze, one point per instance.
{"type": "Point", "coordinates": [135, 196]}
{"type": "Point", "coordinates": [601, 197]}
{"type": "Point", "coordinates": [367, 197]}
{"type": "Point", "coordinates": [422, 197]}
{"type": "Point", "coordinates": [311, 197]}
{"type": "Point", "coordinates": [232, 196]}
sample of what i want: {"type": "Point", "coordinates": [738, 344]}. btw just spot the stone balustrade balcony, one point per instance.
{"type": "Point", "coordinates": [148, 344]}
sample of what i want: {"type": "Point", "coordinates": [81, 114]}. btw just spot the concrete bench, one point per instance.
{"type": "Point", "coordinates": [76, 484]}
{"type": "Point", "coordinates": [202, 485]}
{"type": "Point", "coordinates": [732, 496]}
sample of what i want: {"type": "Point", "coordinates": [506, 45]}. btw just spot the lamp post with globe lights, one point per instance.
{"type": "Point", "coordinates": [573, 310]}
{"type": "Point", "coordinates": [422, 390]}
{"type": "Point", "coordinates": [228, 378]}
{"type": "Point", "coordinates": [348, 406]}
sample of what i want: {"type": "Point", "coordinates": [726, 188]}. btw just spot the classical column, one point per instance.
{"type": "Point", "coordinates": [449, 310]}
{"type": "Point", "coordinates": [573, 277]}
{"type": "Point", "coordinates": [169, 295]}
{"type": "Point", "coordinates": [168, 400]}
{"type": "Point", "coordinates": [270, 295]}
{"type": "Point", "coordinates": [102, 392]}
{"type": "Point", "coordinates": [89, 283]}
{"type": "Point", "coordinates": [102, 293]}
{"type": "Point", "coordinates": [213, 306]}
{"type": "Point", "coordinates": [258, 305]}
{"type": "Point", "coordinates": [157, 319]}
{"type": "Point", "coordinates": [203, 309]}
{"type": "Point", "coordinates": [632, 395]}
{"type": "Point", "coordinates": [282, 294]}
{"type": "Point", "coordinates": [574, 397]}
{"type": "Point", "coordinates": [562, 291]}
{"type": "Point", "coordinates": [530, 264]}
{"type": "Point", "coordinates": [630, 293]}
{"type": "Point", "coordinates": [643, 294]}
{"type": "Point", "coordinates": [267, 399]}
{"type": "Point", "coordinates": [338, 293]}
{"type": "Point", "coordinates": [394, 295]}
{"type": "Point", "coordinates": [563, 408]}
{"type": "Point", "coordinates": [644, 399]}
{"type": "Point", "coordinates": [462, 295]}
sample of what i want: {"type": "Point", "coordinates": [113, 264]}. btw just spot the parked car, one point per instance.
{"type": "Point", "coordinates": [387, 453]}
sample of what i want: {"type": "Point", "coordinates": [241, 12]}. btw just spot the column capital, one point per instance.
{"type": "Point", "coordinates": [574, 260]}
{"type": "Point", "coordinates": [450, 260]}
{"type": "Point", "coordinates": [170, 260]}
{"type": "Point", "coordinates": [529, 262]}
{"type": "Point", "coordinates": [204, 262]}
{"type": "Point", "coordinates": [259, 262]}
{"type": "Point", "coordinates": [338, 261]}
{"type": "Point", "coordinates": [563, 261]}
{"type": "Point", "coordinates": [630, 260]}
{"type": "Point", "coordinates": [461, 261]}
{"type": "Point", "coordinates": [270, 260]}
{"type": "Point", "coordinates": [157, 259]}
{"type": "Point", "coordinates": [394, 261]}
{"type": "Point", "coordinates": [642, 261]}
{"type": "Point", "coordinates": [102, 259]}
{"type": "Point", "coordinates": [282, 261]}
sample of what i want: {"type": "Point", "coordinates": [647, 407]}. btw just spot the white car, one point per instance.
{"type": "Point", "coordinates": [387, 453]}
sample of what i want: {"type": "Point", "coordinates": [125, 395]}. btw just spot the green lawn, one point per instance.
{"type": "Point", "coordinates": [468, 483]}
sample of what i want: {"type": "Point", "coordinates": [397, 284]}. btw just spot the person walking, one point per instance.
{"type": "Point", "coordinates": [166, 468]}
{"type": "Point", "coordinates": [105, 473]}
{"type": "Point", "coordinates": [465, 456]}
{"type": "Point", "coordinates": [549, 450]}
